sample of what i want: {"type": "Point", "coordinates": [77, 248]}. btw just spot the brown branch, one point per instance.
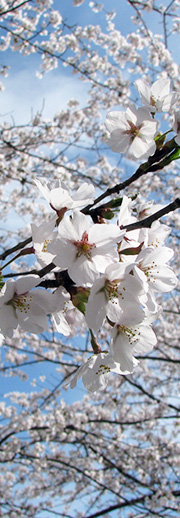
{"type": "Point", "coordinates": [154, 163]}
{"type": "Point", "coordinates": [144, 223]}
{"type": "Point", "coordinates": [128, 503]}
{"type": "Point", "coordinates": [146, 393]}
{"type": "Point", "coordinates": [2, 13]}
{"type": "Point", "coordinates": [147, 222]}
{"type": "Point", "coordinates": [15, 248]}
{"type": "Point", "coordinates": [46, 270]}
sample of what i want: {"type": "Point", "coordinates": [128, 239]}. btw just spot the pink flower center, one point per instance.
{"type": "Point", "coordinates": [134, 131]}
{"type": "Point", "coordinates": [83, 246]}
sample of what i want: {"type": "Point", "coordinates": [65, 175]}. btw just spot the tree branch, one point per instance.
{"type": "Point", "coordinates": [154, 163]}
{"type": "Point", "coordinates": [147, 222]}
{"type": "Point", "coordinates": [15, 248]}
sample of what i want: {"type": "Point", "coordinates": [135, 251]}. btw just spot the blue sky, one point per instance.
{"type": "Point", "coordinates": [25, 94]}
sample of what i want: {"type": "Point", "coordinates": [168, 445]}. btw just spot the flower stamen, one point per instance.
{"type": "Point", "coordinates": [84, 247]}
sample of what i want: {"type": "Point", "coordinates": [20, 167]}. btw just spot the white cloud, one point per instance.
{"type": "Point", "coordinates": [25, 94]}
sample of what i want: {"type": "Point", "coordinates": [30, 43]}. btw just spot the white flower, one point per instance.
{"type": "Point", "coordinates": [95, 372]}
{"type": "Point", "coordinates": [60, 197]}
{"type": "Point", "coordinates": [128, 340]}
{"type": "Point", "coordinates": [42, 235]}
{"type": "Point", "coordinates": [84, 249]}
{"type": "Point", "coordinates": [132, 131]}
{"type": "Point", "coordinates": [157, 98]}
{"type": "Point", "coordinates": [19, 304]}
{"type": "Point", "coordinates": [146, 208]}
{"type": "Point", "coordinates": [115, 295]}
{"type": "Point", "coordinates": [155, 236]}
{"type": "Point", "coordinates": [159, 275]}
{"type": "Point", "coordinates": [62, 304]}
{"type": "Point", "coordinates": [125, 216]}
{"type": "Point", "coordinates": [75, 320]}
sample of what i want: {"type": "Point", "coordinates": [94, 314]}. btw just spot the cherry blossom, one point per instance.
{"type": "Point", "coordinates": [115, 295]}
{"type": "Point", "coordinates": [128, 340]}
{"type": "Point", "coordinates": [132, 131]}
{"type": "Point", "coordinates": [42, 234]}
{"type": "Point", "coordinates": [118, 448]}
{"type": "Point", "coordinates": [61, 300]}
{"type": "Point", "coordinates": [84, 249]}
{"type": "Point", "coordinates": [20, 304]}
{"type": "Point", "coordinates": [60, 197]}
{"type": "Point", "coordinates": [125, 212]}
{"type": "Point", "coordinates": [146, 208]}
{"type": "Point", "coordinates": [67, 319]}
{"type": "Point", "coordinates": [155, 236]}
{"type": "Point", "coordinates": [160, 276]}
{"type": "Point", "coordinates": [95, 372]}
{"type": "Point", "coordinates": [75, 319]}
{"type": "Point", "coordinates": [157, 98]}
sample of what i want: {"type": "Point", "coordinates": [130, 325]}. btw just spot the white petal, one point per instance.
{"type": "Point", "coordinates": [159, 255]}
{"type": "Point", "coordinates": [101, 261]}
{"type": "Point", "coordinates": [61, 323]}
{"type": "Point", "coordinates": [60, 198]}
{"type": "Point", "coordinates": [104, 234]}
{"type": "Point", "coordinates": [127, 312]}
{"type": "Point", "coordinates": [131, 115]}
{"type": "Point", "coordinates": [163, 279]}
{"type": "Point", "coordinates": [144, 90]}
{"type": "Point", "coordinates": [96, 310]}
{"type": "Point", "coordinates": [25, 283]}
{"type": "Point", "coordinates": [42, 298]}
{"type": "Point", "coordinates": [138, 148]}
{"type": "Point", "coordinates": [8, 320]}
{"type": "Point", "coordinates": [43, 188]}
{"type": "Point", "coordinates": [122, 352]}
{"type": "Point", "coordinates": [160, 88]}
{"type": "Point", "coordinates": [64, 252]}
{"type": "Point", "coordinates": [146, 340]}
{"type": "Point", "coordinates": [84, 195]}
{"type": "Point", "coordinates": [115, 120]}
{"type": "Point", "coordinates": [73, 227]}
{"type": "Point", "coordinates": [7, 291]}
{"type": "Point", "coordinates": [119, 142]}
{"type": "Point", "coordinates": [116, 271]}
{"type": "Point", "coordinates": [83, 271]}
{"type": "Point", "coordinates": [33, 324]}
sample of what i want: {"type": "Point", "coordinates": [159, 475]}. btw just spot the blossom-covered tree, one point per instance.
{"type": "Point", "coordinates": [88, 287]}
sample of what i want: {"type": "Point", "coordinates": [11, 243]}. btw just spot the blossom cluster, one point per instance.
{"type": "Point", "coordinates": [107, 274]}
{"type": "Point", "coordinates": [135, 130]}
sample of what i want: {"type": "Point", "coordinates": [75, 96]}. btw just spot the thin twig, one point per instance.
{"type": "Point", "coordinates": [15, 248]}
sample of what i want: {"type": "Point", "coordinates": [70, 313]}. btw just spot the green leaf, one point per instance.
{"type": "Point", "coordinates": [132, 251]}
{"type": "Point", "coordinates": [80, 298]}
